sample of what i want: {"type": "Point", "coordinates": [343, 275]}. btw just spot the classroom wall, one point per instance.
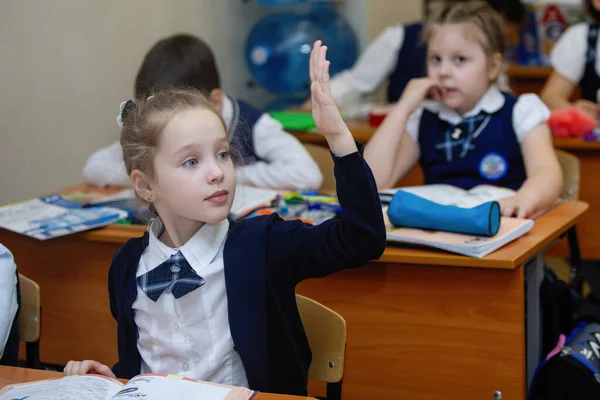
{"type": "Point", "coordinates": [65, 65]}
{"type": "Point", "coordinates": [384, 13]}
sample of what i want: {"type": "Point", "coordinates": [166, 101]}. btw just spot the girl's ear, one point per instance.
{"type": "Point", "coordinates": [496, 62]}
{"type": "Point", "coordinates": [216, 96]}
{"type": "Point", "coordinates": [142, 185]}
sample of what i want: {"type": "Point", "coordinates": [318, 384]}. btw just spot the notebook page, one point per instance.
{"type": "Point", "coordinates": [248, 199]}
{"type": "Point", "coordinates": [482, 194]}
{"type": "Point", "coordinates": [441, 194]}
{"type": "Point", "coordinates": [85, 387]}
{"type": "Point", "coordinates": [468, 245]}
{"type": "Point", "coordinates": [160, 387]}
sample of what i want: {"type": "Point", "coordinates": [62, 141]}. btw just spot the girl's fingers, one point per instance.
{"type": "Point", "coordinates": [508, 211]}
{"type": "Point", "coordinates": [321, 58]}
{"type": "Point", "coordinates": [326, 87]}
{"type": "Point", "coordinates": [312, 64]}
{"type": "Point", "coordinates": [317, 50]}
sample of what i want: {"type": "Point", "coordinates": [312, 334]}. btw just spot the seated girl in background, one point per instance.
{"type": "Point", "coordinates": [271, 157]}
{"type": "Point", "coordinates": [399, 55]}
{"type": "Point", "coordinates": [202, 297]}
{"type": "Point", "coordinates": [576, 63]}
{"type": "Point", "coordinates": [471, 133]}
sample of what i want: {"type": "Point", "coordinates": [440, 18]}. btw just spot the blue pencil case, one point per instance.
{"type": "Point", "coordinates": [411, 211]}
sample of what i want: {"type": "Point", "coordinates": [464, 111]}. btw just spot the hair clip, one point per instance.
{"type": "Point", "coordinates": [124, 109]}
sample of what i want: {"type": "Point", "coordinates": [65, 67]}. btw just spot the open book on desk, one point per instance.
{"type": "Point", "coordinates": [248, 199]}
{"type": "Point", "coordinates": [89, 195]}
{"type": "Point", "coordinates": [147, 387]}
{"type": "Point", "coordinates": [468, 245]}
{"type": "Point", "coordinates": [54, 216]}
{"type": "Point", "coordinates": [449, 195]}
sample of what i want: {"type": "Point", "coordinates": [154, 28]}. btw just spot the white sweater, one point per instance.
{"type": "Point", "coordinates": [286, 165]}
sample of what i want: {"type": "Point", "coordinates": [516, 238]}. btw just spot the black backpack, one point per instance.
{"type": "Point", "coordinates": [573, 373]}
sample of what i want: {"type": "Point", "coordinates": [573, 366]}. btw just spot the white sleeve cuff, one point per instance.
{"type": "Point", "coordinates": [568, 55]}
{"type": "Point", "coordinates": [529, 112]}
{"type": "Point", "coordinates": [286, 163]}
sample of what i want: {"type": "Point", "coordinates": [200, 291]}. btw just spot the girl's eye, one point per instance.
{"type": "Point", "coordinates": [460, 59]}
{"type": "Point", "coordinates": [223, 156]}
{"type": "Point", "coordinates": [435, 59]}
{"type": "Point", "coordinates": [191, 163]}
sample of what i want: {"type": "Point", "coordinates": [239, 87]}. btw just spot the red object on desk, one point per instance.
{"type": "Point", "coordinates": [571, 123]}
{"type": "Point", "coordinates": [378, 114]}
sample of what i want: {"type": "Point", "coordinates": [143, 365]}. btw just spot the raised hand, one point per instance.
{"type": "Point", "coordinates": [325, 112]}
{"type": "Point", "coordinates": [326, 115]}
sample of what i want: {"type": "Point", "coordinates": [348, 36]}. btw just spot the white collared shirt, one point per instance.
{"type": "Point", "coordinates": [8, 295]}
{"type": "Point", "coordinates": [568, 56]}
{"type": "Point", "coordinates": [375, 64]}
{"type": "Point", "coordinates": [286, 163]}
{"type": "Point", "coordinates": [528, 112]}
{"type": "Point", "coordinates": [189, 336]}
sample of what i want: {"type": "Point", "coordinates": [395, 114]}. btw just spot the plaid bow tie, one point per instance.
{"type": "Point", "coordinates": [174, 275]}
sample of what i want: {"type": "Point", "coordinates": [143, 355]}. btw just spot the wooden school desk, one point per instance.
{"type": "Point", "coordinates": [588, 153]}
{"type": "Point", "coordinates": [527, 79]}
{"type": "Point", "coordinates": [422, 324]}
{"type": "Point", "coordinates": [12, 376]}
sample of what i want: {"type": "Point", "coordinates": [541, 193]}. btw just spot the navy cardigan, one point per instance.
{"type": "Point", "coordinates": [264, 259]}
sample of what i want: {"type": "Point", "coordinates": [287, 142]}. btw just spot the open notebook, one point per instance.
{"type": "Point", "coordinates": [248, 199]}
{"type": "Point", "coordinates": [452, 195]}
{"type": "Point", "coordinates": [53, 216]}
{"type": "Point", "coordinates": [468, 245]}
{"type": "Point", "coordinates": [147, 387]}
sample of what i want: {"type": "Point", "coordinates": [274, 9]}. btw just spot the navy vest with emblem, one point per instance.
{"type": "Point", "coordinates": [590, 83]}
{"type": "Point", "coordinates": [482, 149]}
{"type": "Point", "coordinates": [242, 128]}
{"type": "Point", "coordinates": [411, 61]}
{"type": "Point", "coordinates": [11, 348]}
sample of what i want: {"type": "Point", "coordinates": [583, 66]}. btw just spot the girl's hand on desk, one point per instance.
{"type": "Point", "coordinates": [87, 367]}
{"type": "Point", "coordinates": [516, 206]}
{"type": "Point", "coordinates": [588, 107]}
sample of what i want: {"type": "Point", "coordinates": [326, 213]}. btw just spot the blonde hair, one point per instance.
{"type": "Point", "coordinates": [478, 14]}
{"type": "Point", "coordinates": [144, 124]}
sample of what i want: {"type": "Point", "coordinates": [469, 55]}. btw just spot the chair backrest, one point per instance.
{"type": "Point", "coordinates": [570, 169]}
{"type": "Point", "coordinates": [326, 332]}
{"type": "Point", "coordinates": [322, 157]}
{"type": "Point", "coordinates": [29, 314]}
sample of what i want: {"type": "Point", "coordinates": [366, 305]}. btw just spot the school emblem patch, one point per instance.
{"type": "Point", "coordinates": [493, 167]}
